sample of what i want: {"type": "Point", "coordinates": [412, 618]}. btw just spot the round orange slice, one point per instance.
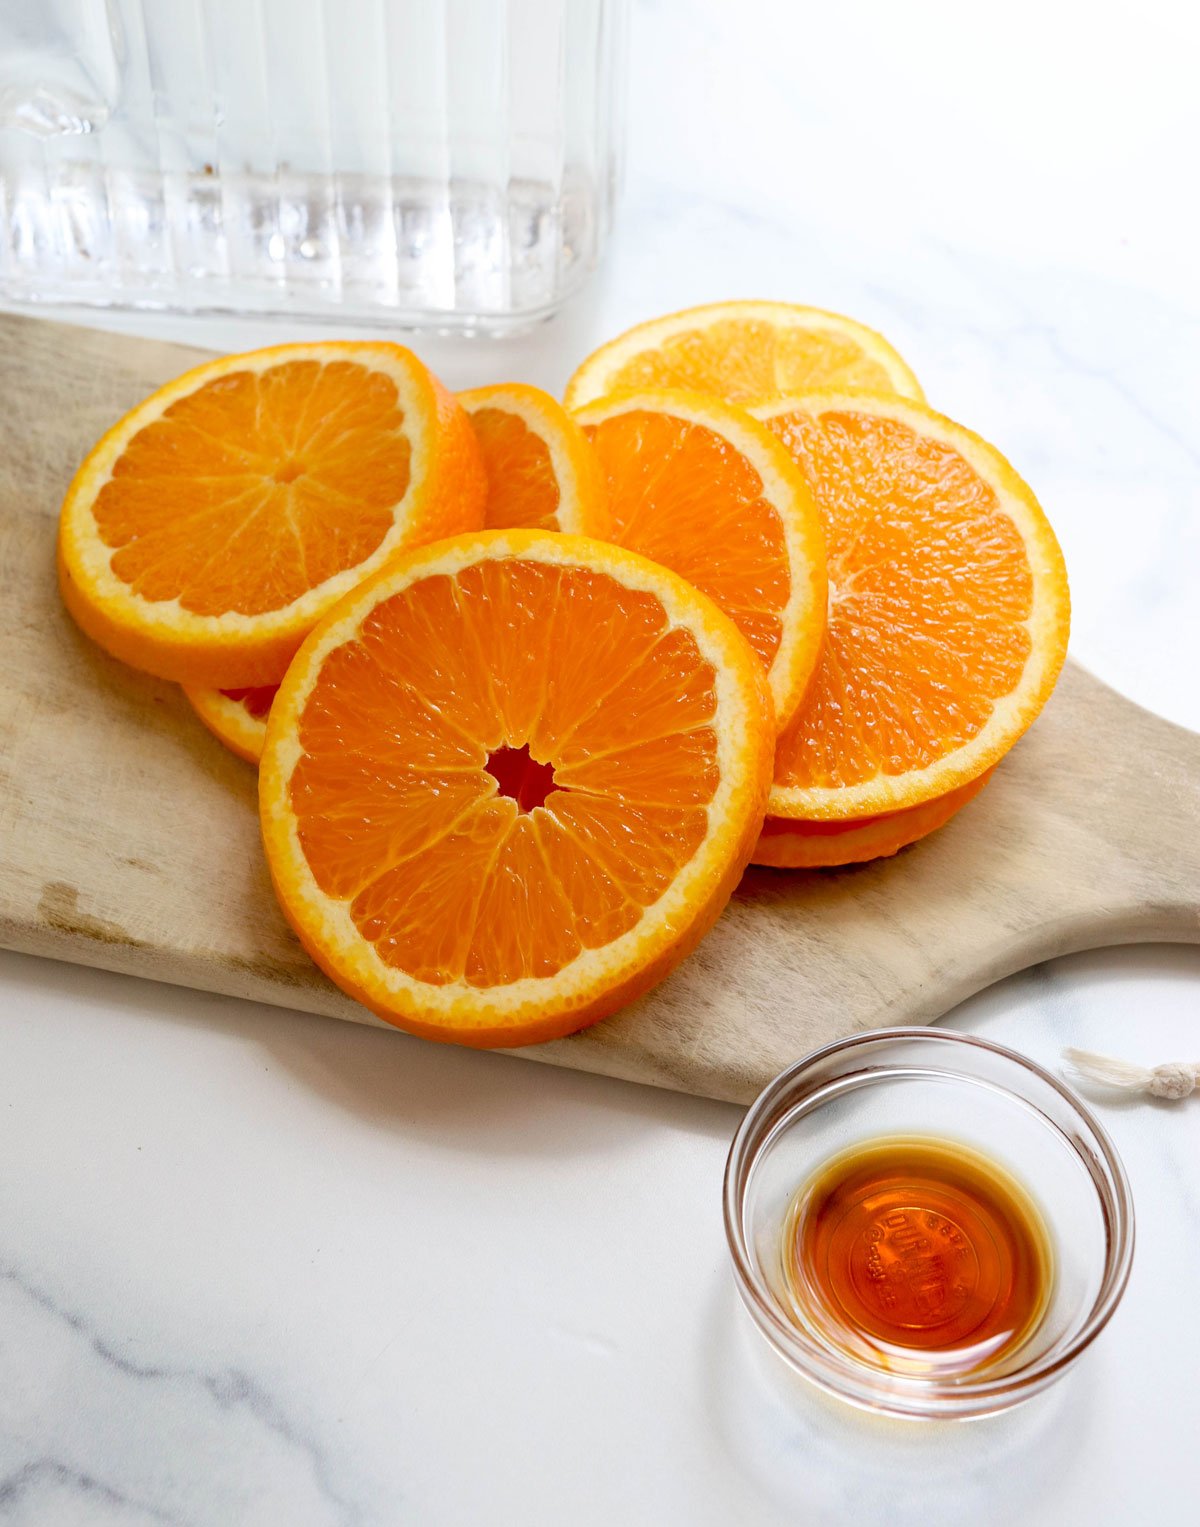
{"type": "Point", "coordinates": [826, 845]}
{"type": "Point", "coordinates": [510, 782]}
{"type": "Point", "coordinates": [706, 490]}
{"type": "Point", "coordinates": [948, 608]}
{"type": "Point", "coordinates": [744, 352]}
{"type": "Point", "coordinates": [214, 525]}
{"type": "Point", "coordinates": [541, 472]}
{"type": "Point", "coordinates": [236, 717]}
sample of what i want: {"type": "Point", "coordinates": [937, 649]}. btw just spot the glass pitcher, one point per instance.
{"type": "Point", "coordinates": [447, 164]}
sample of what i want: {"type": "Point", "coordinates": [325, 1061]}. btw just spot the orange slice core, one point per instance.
{"type": "Point", "coordinates": [521, 778]}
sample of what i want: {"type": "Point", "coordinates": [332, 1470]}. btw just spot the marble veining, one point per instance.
{"type": "Point", "coordinates": [224, 1402]}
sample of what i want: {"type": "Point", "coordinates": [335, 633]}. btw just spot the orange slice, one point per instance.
{"type": "Point", "coordinates": [541, 472]}
{"type": "Point", "coordinates": [707, 491]}
{"type": "Point", "coordinates": [237, 717]}
{"type": "Point", "coordinates": [825, 845]}
{"type": "Point", "coordinates": [948, 608]}
{"type": "Point", "coordinates": [213, 526]}
{"type": "Point", "coordinates": [511, 781]}
{"type": "Point", "coordinates": [744, 352]}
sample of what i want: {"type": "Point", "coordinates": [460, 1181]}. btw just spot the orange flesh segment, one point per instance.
{"type": "Point", "coordinates": [522, 487]}
{"type": "Point", "coordinates": [244, 533]}
{"type": "Point", "coordinates": [676, 491]}
{"type": "Point", "coordinates": [399, 815]}
{"type": "Point", "coordinates": [930, 593]}
{"type": "Point", "coordinates": [740, 359]}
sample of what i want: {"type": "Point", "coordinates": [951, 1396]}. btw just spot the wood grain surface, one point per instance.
{"type": "Point", "coordinates": [129, 836]}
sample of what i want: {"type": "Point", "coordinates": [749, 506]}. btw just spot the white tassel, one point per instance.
{"type": "Point", "coordinates": [1172, 1081]}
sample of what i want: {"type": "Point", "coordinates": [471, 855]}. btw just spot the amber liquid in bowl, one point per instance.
{"type": "Point", "coordinates": [917, 1255]}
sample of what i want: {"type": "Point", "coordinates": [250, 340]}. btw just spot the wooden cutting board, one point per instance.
{"type": "Point", "coordinates": [129, 836]}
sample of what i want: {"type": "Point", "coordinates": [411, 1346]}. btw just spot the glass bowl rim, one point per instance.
{"type": "Point", "coordinates": [906, 1394]}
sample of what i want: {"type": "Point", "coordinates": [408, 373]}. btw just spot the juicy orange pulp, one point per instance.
{"type": "Point", "coordinates": [261, 469]}
{"type": "Point", "coordinates": [406, 738]}
{"type": "Point", "coordinates": [677, 491]}
{"type": "Point", "coordinates": [930, 600]}
{"type": "Point", "coordinates": [741, 359]}
{"type": "Point", "coordinates": [522, 486]}
{"type": "Point", "coordinates": [743, 352]}
{"type": "Point", "coordinates": [541, 472]}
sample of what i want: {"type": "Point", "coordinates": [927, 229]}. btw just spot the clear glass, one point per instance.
{"type": "Point", "coordinates": [448, 164]}
{"type": "Point", "coordinates": [952, 1086]}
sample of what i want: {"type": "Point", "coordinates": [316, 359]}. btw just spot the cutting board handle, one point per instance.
{"type": "Point", "coordinates": [1135, 790]}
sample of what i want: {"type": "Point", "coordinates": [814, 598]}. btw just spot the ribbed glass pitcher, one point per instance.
{"type": "Point", "coordinates": [446, 164]}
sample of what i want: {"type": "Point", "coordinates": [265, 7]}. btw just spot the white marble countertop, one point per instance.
{"type": "Point", "coordinates": [262, 1268]}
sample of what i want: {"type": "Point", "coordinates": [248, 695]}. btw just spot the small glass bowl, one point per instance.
{"type": "Point", "coordinates": [951, 1086]}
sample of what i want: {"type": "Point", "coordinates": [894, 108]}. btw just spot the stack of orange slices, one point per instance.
{"type": "Point", "coordinates": [945, 622]}
{"type": "Point", "coordinates": [531, 684]}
